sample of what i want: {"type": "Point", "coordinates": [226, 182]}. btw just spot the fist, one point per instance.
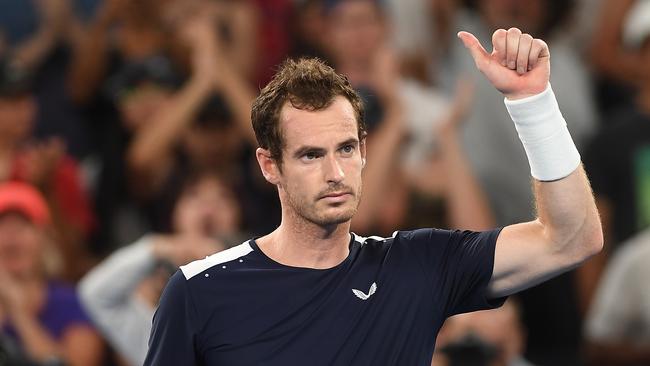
{"type": "Point", "coordinates": [519, 65]}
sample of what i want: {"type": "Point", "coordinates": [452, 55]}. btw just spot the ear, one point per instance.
{"type": "Point", "coordinates": [268, 166]}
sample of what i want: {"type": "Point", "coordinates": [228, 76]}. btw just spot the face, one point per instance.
{"type": "Point", "coordinates": [20, 244]}
{"type": "Point", "coordinates": [207, 208]}
{"type": "Point", "coordinates": [140, 104]}
{"type": "Point", "coordinates": [16, 118]}
{"type": "Point", "coordinates": [498, 327]}
{"type": "Point", "coordinates": [356, 31]}
{"type": "Point", "coordinates": [211, 146]}
{"type": "Point", "coordinates": [322, 160]}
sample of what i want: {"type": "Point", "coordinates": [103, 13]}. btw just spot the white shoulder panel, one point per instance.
{"type": "Point", "coordinates": [193, 268]}
{"type": "Point", "coordinates": [362, 239]}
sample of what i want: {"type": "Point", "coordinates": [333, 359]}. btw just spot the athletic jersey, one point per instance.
{"type": "Point", "coordinates": [383, 305]}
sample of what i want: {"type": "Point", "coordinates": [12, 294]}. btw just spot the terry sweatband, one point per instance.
{"type": "Point", "coordinates": [551, 153]}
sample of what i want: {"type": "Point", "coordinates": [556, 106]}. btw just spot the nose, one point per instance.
{"type": "Point", "coordinates": [333, 170]}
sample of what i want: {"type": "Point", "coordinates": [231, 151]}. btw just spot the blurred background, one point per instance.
{"type": "Point", "coordinates": [126, 149]}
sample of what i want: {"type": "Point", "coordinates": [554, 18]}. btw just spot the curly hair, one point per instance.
{"type": "Point", "coordinates": [308, 84]}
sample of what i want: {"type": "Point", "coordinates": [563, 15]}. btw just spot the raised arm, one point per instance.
{"type": "Point", "coordinates": [152, 148]}
{"type": "Point", "coordinates": [567, 230]}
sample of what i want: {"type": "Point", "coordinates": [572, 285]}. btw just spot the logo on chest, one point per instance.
{"type": "Point", "coordinates": [363, 296]}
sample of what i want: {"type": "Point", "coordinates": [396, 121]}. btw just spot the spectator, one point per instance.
{"type": "Point", "coordinates": [397, 109]}
{"type": "Point", "coordinates": [490, 337]}
{"type": "Point", "coordinates": [37, 35]}
{"type": "Point", "coordinates": [617, 158]}
{"type": "Point", "coordinates": [613, 54]}
{"type": "Point", "coordinates": [38, 316]}
{"type": "Point", "coordinates": [203, 124]}
{"type": "Point", "coordinates": [170, 128]}
{"type": "Point", "coordinates": [122, 292]}
{"type": "Point", "coordinates": [617, 330]}
{"type": "Point", "coordinates": [46, 165]}
{"type": "Point", "coordinates": [121, 32]}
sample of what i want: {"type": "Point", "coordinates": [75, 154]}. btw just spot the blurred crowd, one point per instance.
{"type": "Point", "coordinates": [126, 149]}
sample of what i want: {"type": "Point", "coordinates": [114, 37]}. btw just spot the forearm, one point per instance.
{"type": "Point", "coordinates": [606, 52]}
{"type": "Point", "coordinates": [244, 24]}
{"type": "Point", "coordinates": [564, 201]}
{"type": "Point", "coordinates": [467, 206]}
{"type": "Point", "coordinates": [382, 149]}
{"type": "Point", "coordinates": [33, 52]}
{"type": "Point", "coordinates": [568, 214]}
{"type": "Point", "coordinates": [37, 342]}
{"type": "Point", "coordinates": [89, 62]}
{"type": "Point", "coordinates": [157, 137]}
{"type": "Point", "coordinates": [113, 281]}
{"type": "Point", "coordinates": [240, 97]}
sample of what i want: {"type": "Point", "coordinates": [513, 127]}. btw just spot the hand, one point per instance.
{"type": "Point", "coordinates": [199, 33]}
{"type": "Point", "coordinates": [385, 75]}
{"type": "Point", "coordinates": [459, 108]}
{"type": "Point", "coordinates": [519, 65]}
{"type": "Point", "coordinates": [54, 13]}
{"type": "Point", "coordinates": [110, 11]}
{"type": "Point", "coordinates": [12, 298]}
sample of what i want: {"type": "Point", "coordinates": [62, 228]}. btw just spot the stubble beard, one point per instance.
{"type": "Point", "coordinates": [312, 213]}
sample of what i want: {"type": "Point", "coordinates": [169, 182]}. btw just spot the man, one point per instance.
{"type": "Point", "coordinates": [311, 293]}
{"type": "Point", "coordinates": [41, 319]}
{"type": "Point", "coordinates": [492, 337]}
{"type": "Point", "coordinates": [122, 292]}
{"type": "Point", "coordinates": [617, 328]}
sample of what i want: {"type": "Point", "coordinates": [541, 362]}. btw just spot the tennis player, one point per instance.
{"type": "Point", "coordinates": [312, 293]}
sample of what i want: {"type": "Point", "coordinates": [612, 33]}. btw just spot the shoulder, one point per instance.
{"type": "Point", "coordinates": [194, 268]}
{"type": "Point", "coordinates": [428, 236]}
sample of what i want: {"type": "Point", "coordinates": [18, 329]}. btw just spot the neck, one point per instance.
{"type": "Point", "coordinates": [299, 243]}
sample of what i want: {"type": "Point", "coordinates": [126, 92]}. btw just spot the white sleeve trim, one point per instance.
{"type": "Point", "coordinates": [193, 268]}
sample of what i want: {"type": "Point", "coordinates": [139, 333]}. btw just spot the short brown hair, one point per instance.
{"type": "Point", "coordinates": [308, 84]}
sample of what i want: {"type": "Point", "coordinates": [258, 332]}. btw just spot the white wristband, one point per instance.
{"type": "Point", "coordinates": [552, 155]}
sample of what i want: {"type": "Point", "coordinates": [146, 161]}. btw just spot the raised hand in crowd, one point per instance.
{"type": "Point", "coordinates": [384, 143]}
{"type": "Point", "coordinates": [466, 203]}
{"type": "Point", "coordinates": [54, 16]}
{"type": "Point", "coordinates": [122, 30]}
{"type": "Point", "coordinates": [151, 152]}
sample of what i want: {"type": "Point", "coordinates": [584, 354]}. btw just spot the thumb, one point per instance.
{"type": "Point", "coordinates": [479, 54]}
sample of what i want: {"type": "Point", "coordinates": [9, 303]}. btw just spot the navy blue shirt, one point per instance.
{"type": "Point", "coordinates": [383, 305]}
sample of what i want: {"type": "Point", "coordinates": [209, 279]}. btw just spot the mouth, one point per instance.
{"type": "Point", "coordinates": [336, 196]}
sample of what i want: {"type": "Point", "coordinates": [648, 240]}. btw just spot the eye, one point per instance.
{"type": "Point", "coordinates": [347, 149]}
{"type": "Point", "coordinates": [310, 156]}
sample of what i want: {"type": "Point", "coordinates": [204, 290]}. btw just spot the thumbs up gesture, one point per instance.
{"type": "Point", "coordinates": [519, 65]}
